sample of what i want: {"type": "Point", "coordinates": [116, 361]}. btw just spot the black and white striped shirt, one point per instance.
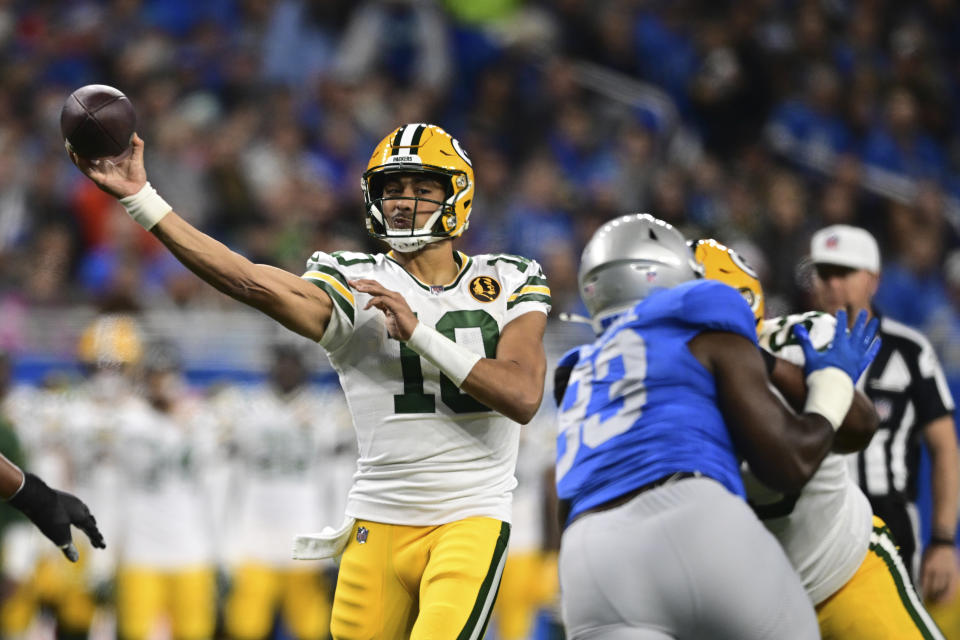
{"type": "Point", "coordinates": [908, 389]}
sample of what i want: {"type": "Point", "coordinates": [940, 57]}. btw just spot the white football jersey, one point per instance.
{"type": "Point", "coordinates": [285, 478]}
{"type": "Point", "coordinates": [81, 427]}
{"type": "Point", "coordinates": [167, 521]}
{"type": "Point", "coordinates": [825, 530]}
{"type": "Point", "coordinates": [428, 453]}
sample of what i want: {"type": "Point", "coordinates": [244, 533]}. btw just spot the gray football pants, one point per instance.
{"type": "Point", "coordinates": [685, 560]}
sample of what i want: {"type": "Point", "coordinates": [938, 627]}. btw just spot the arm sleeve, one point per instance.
{"type": "Point", "coordinates": [324, 271]}
{"type": "Point", "coordinates": [529, 292]}
{"type": "Point", "coordinates": [713, 305]}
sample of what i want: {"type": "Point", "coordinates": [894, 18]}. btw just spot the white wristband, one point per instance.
{"type": "Point", "coordinates": [146, 206]}
{"type": "Point", "coordinates": [829, 393]}
{"type": "Point", "coordinates": [453, 360]}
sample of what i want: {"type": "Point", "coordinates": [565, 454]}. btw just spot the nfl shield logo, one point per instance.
{"type": "Point", "coordinates": [362, 535]}
{"type": "Point", "coordinates": [651, 275]}
{"type": "Point", "coordinates": [436, 289]}
{"type": "Point", "coordinates": [833, 241]}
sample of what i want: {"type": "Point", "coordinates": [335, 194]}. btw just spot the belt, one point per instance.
{"type": "Point", "coordinates": [630, 495]}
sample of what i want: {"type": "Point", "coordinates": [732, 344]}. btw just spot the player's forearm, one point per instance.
{"type": "Point", "coordinates": [506, 387]}
{"type": "Point", "coordinates": [11, 478]}
{"type": "Point", "coordinates": [786, 456]}
{"type": "Point", "coordinates": [858, 426]}
{"type": "Point", "coordinates": [211, 260]}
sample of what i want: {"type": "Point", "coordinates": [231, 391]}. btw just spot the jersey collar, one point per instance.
{"type": "Point", "coordinates": [463, 265]}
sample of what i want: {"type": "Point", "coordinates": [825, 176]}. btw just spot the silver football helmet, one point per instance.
{"type": "Point", "coordinates": [629, 257]}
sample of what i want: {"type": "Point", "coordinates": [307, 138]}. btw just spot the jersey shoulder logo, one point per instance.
{"type": "Point", "coordinates": [484, 288]}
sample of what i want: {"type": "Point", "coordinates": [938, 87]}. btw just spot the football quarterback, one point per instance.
{"type": "Point", "coordinates": [440, 356]}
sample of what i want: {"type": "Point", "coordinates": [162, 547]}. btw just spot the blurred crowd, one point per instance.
{"type": "Point", "coordinates": [199, 493]}
{"type": "Point", "coordinates": [754, 121]}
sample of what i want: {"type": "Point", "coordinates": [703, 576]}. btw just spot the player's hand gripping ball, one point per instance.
{"type": "Point", "coordinates": [98, 121]}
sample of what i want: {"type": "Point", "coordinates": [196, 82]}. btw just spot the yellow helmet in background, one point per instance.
{"type": "Point", "coordinates": [420, 148]}
{"type": "Point", "coordinates": [110, 340]}
{"type": "Point", "coordinates": [726, 265]}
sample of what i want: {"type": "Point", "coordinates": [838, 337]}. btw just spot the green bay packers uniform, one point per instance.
{"type": "Point", "coordinates": [284, 446]}
{"type": "Point", "coordinates": [70, 436]}
{"type": "Point", "coordinates": [432, 489]}
{"type": "Point", "coordinates": [166, 543]}
{"type": "Point", "coordinates": [844, 555]}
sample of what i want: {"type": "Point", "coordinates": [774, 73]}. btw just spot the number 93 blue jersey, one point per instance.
{"type": "Point", "coordinates": [639, 406]}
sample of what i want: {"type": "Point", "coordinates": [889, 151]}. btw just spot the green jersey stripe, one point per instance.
{"type": "Point", "coordinates": [346, 262]}
{"type": "Point", "coordinates": [530, 297]}
{"type": "Point", "coordinates": [341, 302]}
{"type": "Point", "coordinates": [520, 263]}
{"type": "Point", "coordinates": [534, 281]}
{"type": "Point", "coordinates": [330, 271]}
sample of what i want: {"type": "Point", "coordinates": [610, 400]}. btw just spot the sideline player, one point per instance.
{"type": "Point", "coordinates": [655, 416]}
{"type": "Point", "coordinates": [286, 436]}
{"type": "Point", "coordinates": [440, 356]}
{"type": "Point", "coordinates": [845, 556]}
{"type": "Point", "coordinates": [165, 443]}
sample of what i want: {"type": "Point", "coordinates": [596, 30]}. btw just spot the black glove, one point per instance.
{"type": "Point", "coordinates": [53, 512]}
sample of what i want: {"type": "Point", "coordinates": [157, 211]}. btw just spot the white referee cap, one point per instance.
{"type": "Point", "coordinates": [845, 246]}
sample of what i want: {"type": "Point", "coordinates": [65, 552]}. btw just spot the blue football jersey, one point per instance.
{"type": "Point", "coordinates": [639, 406]}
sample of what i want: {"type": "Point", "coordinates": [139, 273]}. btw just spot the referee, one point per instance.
{"type": "Point", "coordinates": [908, 389]}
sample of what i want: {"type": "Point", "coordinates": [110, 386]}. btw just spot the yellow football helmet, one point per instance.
{"type": "Point", "coordinates": [110, 340]}
{"type": "Point", "coordinates": [420, 148]}
{"type": "Point", "coordinates": [726, 265]}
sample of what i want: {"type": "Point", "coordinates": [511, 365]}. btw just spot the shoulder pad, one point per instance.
{"type": "Point", "coordinates": [777, 335]}
{"type": "Point", "coordinates": [350, 258]}
{"type": "Point", "coordinates": [714, 305]}
{"type": "Point", "coordinates": [519, 263]}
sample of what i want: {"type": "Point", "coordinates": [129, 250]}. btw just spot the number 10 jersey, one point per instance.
{"type": "Point", "coordinates": [428, 453]}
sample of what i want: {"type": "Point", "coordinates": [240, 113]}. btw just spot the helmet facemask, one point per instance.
{"type": "Point", "coordinates": [441, 223]}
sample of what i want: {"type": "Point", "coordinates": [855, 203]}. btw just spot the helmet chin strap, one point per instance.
{"type": "Point", "coordinates": [408, 244]}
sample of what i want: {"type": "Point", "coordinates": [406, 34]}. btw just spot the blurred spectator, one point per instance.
{"type": "Point", "coordinates": [810, 130]}
{"type": "Point", "coordinates": [943, 323]}
{"type": "Point", "coordinates": [537, 221]}
{"type": "Point", "coordinates": [785, 237]}
{"type": "Point", "coordinates": [900, 150]}
{"type": "Point", "coordinates": [912, 286]}
{"type": "Point", "coordinates": [405, 40]}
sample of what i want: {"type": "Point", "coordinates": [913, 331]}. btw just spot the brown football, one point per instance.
{"type": "Point", "coordinates": [98, 121]}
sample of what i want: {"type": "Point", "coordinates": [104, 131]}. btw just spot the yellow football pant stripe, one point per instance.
{"type": "Point", "coordinates": [878, 602]}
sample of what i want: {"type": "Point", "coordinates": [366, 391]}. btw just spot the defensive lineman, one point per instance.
{"type": "Point", "coordinates": [659, 542]}
{"type": "Point", "coordinates": [440, 356]}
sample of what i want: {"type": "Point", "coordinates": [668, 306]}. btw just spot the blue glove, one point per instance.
{"type": "Point", "coordinates": [851, 351]}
